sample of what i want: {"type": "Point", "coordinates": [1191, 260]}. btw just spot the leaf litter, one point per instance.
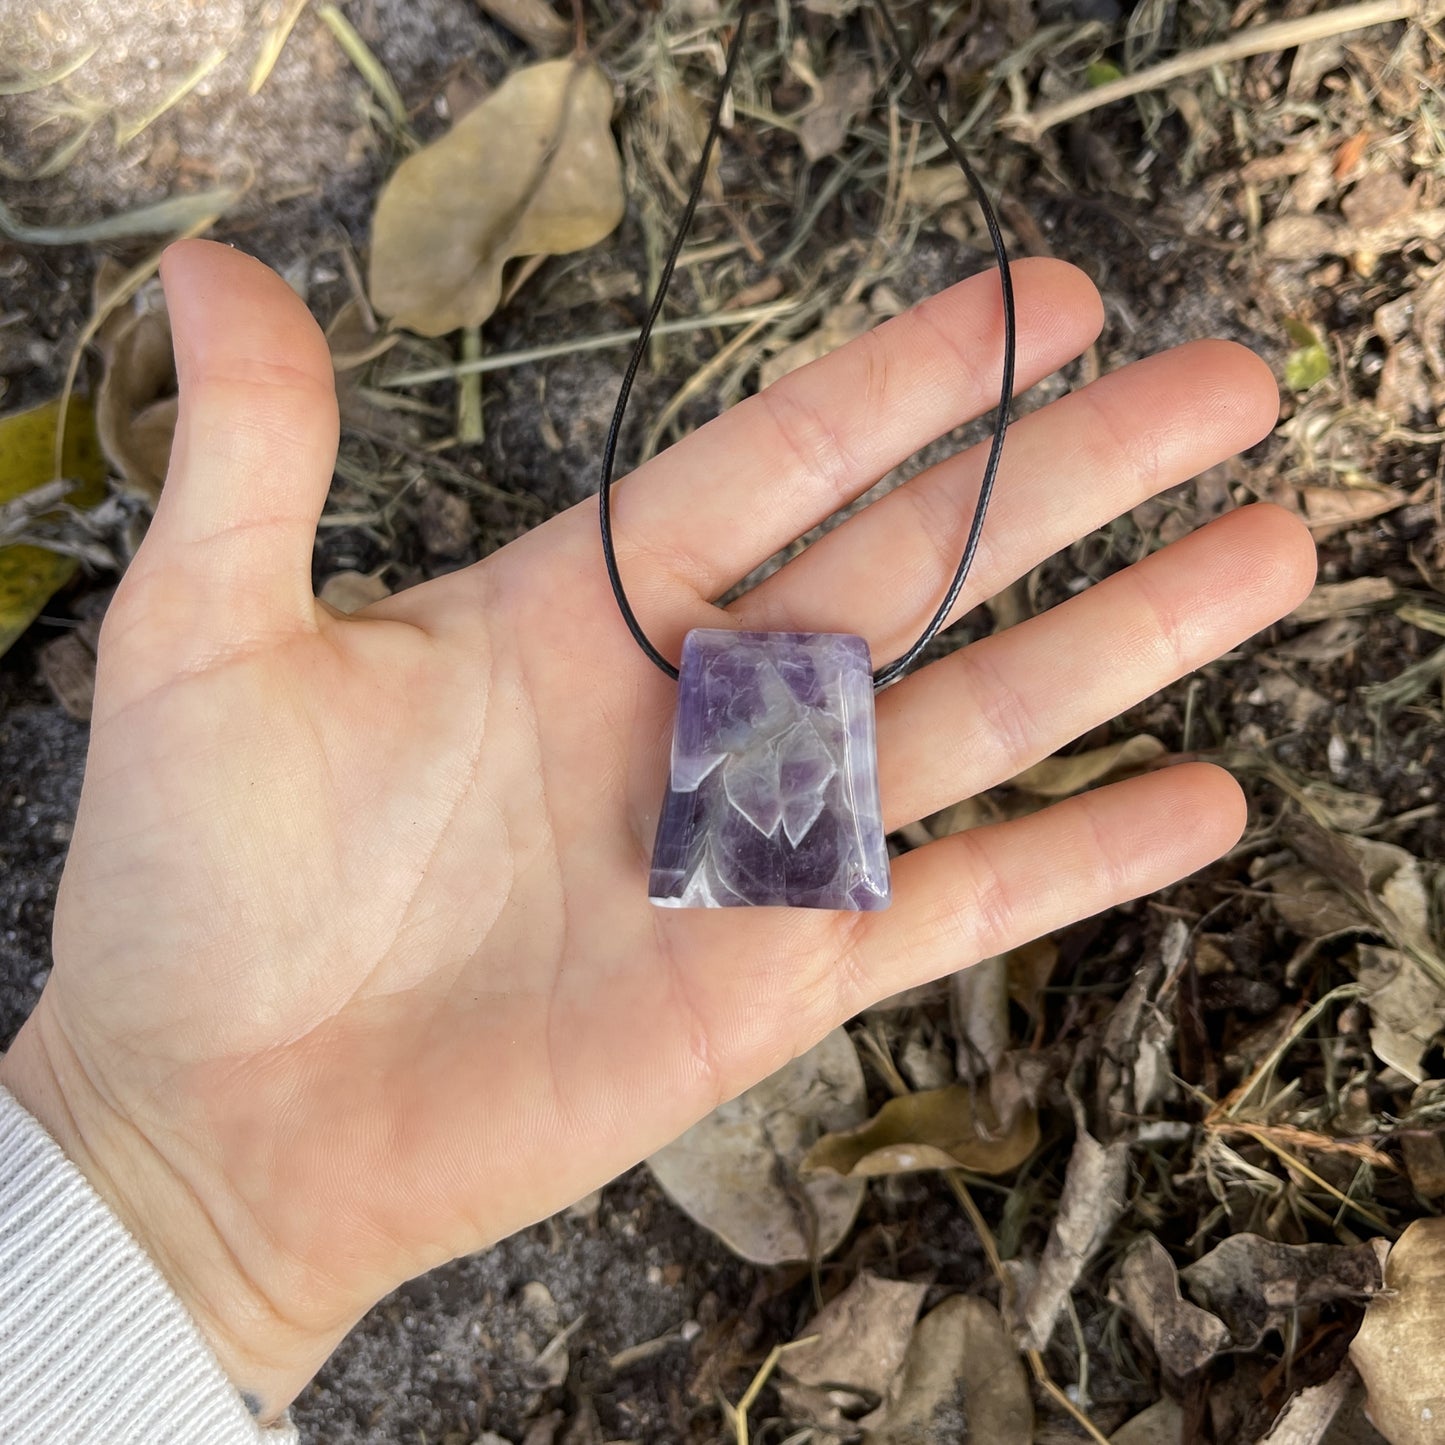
{"type": "Point", "coordinates": [1254, 1055]}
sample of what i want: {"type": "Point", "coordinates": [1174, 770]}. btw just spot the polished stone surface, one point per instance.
{"type": "Point", "coordinates": [773, 797]}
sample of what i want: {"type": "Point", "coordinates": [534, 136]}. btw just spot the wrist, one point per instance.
{"type": "Point", "coordinates": [226, 1284]}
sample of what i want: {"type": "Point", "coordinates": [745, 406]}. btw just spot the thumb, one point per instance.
{"type": "Point", "coordinates": [230, 546]}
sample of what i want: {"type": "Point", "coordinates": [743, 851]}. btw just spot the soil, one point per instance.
{"type": "Point", "coordinates": [1158, 214]}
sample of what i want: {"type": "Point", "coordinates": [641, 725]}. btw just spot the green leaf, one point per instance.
{"type": "Point", "coordinates": [30, 576]}
{"type": "Point", "coordinates": [1306, 367]}
{"type": "Point", "coordinates": [1101, 72]}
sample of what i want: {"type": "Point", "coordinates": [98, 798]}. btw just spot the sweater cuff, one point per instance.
{"type": "Point", "coordinates": [95, 1347]}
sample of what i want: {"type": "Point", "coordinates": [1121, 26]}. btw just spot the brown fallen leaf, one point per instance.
{"type": "Point", "coordinates": [1254, 1284]}
{"type": "Point", "coordinates": [351, 591]}
{"type": "Point", "coordinates": [1331, 509]}
{"type": "Point", "coordinates": [1089, 1206]}
{"type": "Point", "coordinates": [355, 339]}
{"type": "Point", "coordinates": [862, 1336]}
{"type": "Point", "coordinates": [1059, 777]}
{"type": "Point", "coordinates": [1184, 1337]}
{"type": "Point", "coordinates": [1384, 882]}
{"type": "Point", "coordinates": [962, 1379]}
{"type": "Point", "coordinates": [1345, 599]}
{"type": "Point", "coordinates": [67, 664]}
{"type": "Point", "coordinates": [532, 170]}
{"type": "Point", "coordinates": [136, 404]}
{"type": "Point", "coordinates": [844, 93]}
{"type": "Point", "coordinates": [1306, 238]}
{"type": "Point", "coordinates": [1161, 1424]}
{"type": "Point", "coordinates": [534, 21]}
{"type": "Point", "coordinates": [1397, 1349]}
{"type": "Point", "coordinates": [948, 1128]}
{"type": "Point", "coordinates": [735, 1172]}
{"type": "Point", "coordinates": [1407, 1007]}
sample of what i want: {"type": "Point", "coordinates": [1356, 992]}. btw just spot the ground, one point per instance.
{"type": "Point", "coordinates": [1289, 200]}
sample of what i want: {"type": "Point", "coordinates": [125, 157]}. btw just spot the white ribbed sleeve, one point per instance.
{"type": "Point", "coordinates": [95, 1348]}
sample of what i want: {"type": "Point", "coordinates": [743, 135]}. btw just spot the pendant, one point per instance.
{"type": "Point", "coordinates": [773, 795]}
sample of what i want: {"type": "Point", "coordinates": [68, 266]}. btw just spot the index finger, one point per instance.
{"type": "Point", "coordinates": [710, 509]}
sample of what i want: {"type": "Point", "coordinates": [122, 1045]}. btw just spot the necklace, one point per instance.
{"type": "Point", "coordinates": [772, 796]}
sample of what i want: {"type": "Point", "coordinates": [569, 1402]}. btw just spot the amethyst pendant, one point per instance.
{"type": "Point", "coordinates": [773, 797]}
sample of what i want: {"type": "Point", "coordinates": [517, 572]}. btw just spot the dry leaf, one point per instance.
{"type": "Point", "coordinates": [534, 21]}
{"type": "Point", "coordinates": [1329, 642]}
{"type": "Point", "coordinates": [1254, 1284]}
{"type": "Point", "coordinates": [1306, 238]}
{"type": "Point", "coordinates": [1344, 599]}
{"type": "Point", "coordinates": [533, 170]}
{"type": "Point", "coordinates": [1089, 1206]}
{"type": "Point", "coordinates": [136, 404]}
{"type": "Point", "coordinates": [862, 1336]}
{"type": "Point", "coordinates": [354, 339]}
{"type": "Point", "coordinates": [1307, 1417]}
{"type": "Point", "coordinates": [1407, 1008]}
{"type": "Point", "coordinates": [1397, 1350]}
{"type": "Point", "coordinates": [68, 666]}
{"type": "Point", "coordinates": [825, 127]}
{"type": "Point", "coordinates": [351, 591]}
{"type": "Point", "coordinates": [840, 325]}
{"type": "Point", "coordinates": [1059, 777]}
{"type": "Point", "coordinates": [941, 1129]}
{"type": "Point", "coordinates": [933, 187]}
{"type": "Point", "coordinates": [735, 1172]}
{"type": "Point", "coordinates": [1331, 509]}
{"type": "Point", "coordinates": [1184, 1336]}
{"type": "Point", "coordinates": [1161, 1424]}
{"type": "Point", "coordinates": [1383, 882]}
{"type": "Point", "coordinates": [978, 998]}
{"type": "Point", "coordinates": [962, 1380]}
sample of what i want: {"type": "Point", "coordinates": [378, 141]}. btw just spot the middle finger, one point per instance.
{"type": "Point", "coordinates": [1067, 469]}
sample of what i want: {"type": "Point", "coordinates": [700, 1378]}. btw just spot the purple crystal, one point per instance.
{"type": "Point", "coordinates": [773, 798]}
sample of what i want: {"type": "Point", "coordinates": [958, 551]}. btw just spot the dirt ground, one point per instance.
{"type": "Point", "coordinates": [1290, 201]}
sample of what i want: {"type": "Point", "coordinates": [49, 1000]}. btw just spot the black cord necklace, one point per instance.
{"type": "Point", "coordinates": [773, 794]}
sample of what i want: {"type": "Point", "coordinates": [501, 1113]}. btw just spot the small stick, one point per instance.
{"type": "Point", "coordinates": [1282, 35]}
{"type": "Point", "coordinates": [501, 360]}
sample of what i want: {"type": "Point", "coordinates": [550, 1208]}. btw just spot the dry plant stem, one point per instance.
{"type": "Point", "coordinates": [30, 81]}
{"type": "Point", "coordinates": [957, 1183]}
{"type": "Point", "coordinates": [469, 393]}
{"type": "Point", "coordinates": [696, 384]}
{"type": "Point", "coordinates": [274, 44]}
{"type": "Point", "coordinates": [126, 133]}
{"type": "Point", "coordinates": [371, 69]}
{"type": "Point", "coordinates": [1283, 35]}
{"type": "Point", "coordinates": [1042, 1378]}
{"type": "Point", "coordinates": [737, 1415]}
{"type": "Point", "coordinates": [501, 360]}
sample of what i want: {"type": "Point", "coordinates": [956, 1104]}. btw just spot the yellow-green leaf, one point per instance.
{"type": "Point", "coordinates": [533, 170]}
{"type": "Point", "coordinates": [30, 576]}
{"type": "Point", "coordinates": [952, 1128]}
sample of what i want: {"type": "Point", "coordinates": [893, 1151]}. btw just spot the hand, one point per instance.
{"type": "Point", "coordinates": [354, 966]}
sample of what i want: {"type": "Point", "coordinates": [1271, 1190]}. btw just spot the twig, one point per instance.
{"type": "Point", "coordinates": [501, 360]}
{"type": "Point", "coordinates": [359, 53]}
{"type": "Point", "coordinates": [1042, 1378]}
{"type": "Point", "coordinates": [469, 394]}
{"type": "Point", "coordinates": [273, 44]}
{"type": "Point", "coordinates": [956, 1182]}
{"type": "Point", "coordinates": [737, 1415]}
{"type": "Point", "coordinates": [1282, 35]}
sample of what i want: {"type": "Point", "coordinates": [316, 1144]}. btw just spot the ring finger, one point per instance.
{"type": "Point", "coordinates": [982, 715]}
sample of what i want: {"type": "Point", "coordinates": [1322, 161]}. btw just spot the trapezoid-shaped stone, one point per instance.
{"type": "Point", "coordinates": [772, 800]}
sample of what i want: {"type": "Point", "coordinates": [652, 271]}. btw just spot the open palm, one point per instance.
{"type": "Point", "coordinates": [354, 965]}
